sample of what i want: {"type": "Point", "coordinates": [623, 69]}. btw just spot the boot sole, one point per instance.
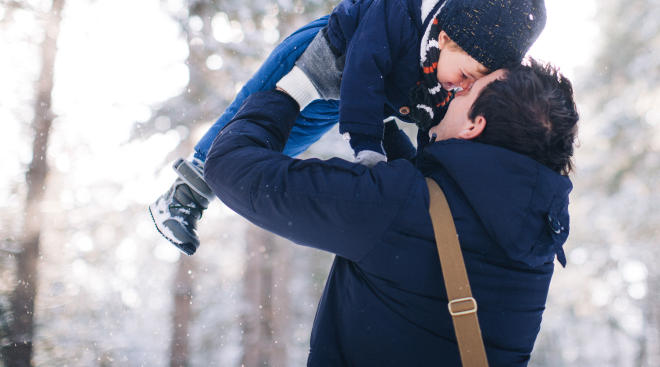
{"type": "Point", "coordinates": [186, 248]}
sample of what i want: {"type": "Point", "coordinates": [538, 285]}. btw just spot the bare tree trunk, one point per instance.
{"type": "Point", "coordinates": [265, 318]}
{"type": "Point", "coordinates": [182, 314]}
{"type": "Point", "coordinates": [652, 349]}
{"type": "Point", "coordinates": [183, 291]}
{"type": "Point", "coordinates": [196, 91]}
{"type": "Point", "coordinates": [19, 350]}
{"type": "Point", "coordinates": [280, 311]}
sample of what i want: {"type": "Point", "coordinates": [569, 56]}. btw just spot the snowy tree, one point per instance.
{"type": "Point", "coordinates": [611, 317]}
{"type": "Point", "coordinates": [20, 324]}
{"type": "Point", "coordinates": [227, 41]}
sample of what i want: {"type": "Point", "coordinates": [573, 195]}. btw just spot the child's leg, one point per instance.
{"type": "Point", "coordinates": [176, 212]}
{"type": "Point", "coordinates": [279, 63]}
{"type": "Point", "coordinates": [314, 121]}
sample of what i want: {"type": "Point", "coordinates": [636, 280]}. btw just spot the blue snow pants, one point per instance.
{"type": "Point", "coordinates": [314, 121]}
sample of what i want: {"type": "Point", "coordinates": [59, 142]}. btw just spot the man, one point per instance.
{"type": "Point", "coordinates": [502, 154]}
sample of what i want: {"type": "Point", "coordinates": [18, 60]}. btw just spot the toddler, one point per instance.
{"type": "Point", "coordinates": [365, 62]}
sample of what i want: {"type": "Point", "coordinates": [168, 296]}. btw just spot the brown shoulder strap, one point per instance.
{"type": "Point", "coordinates": [462, 306]}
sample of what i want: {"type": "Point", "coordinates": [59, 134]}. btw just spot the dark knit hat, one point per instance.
{"type": "Point", "coordinates": [496, 33]}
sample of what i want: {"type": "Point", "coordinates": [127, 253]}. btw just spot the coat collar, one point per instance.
{"type": "Point", "coordinates": [522, 204]}
{"type": "Point", "coordinates": [415, 9]}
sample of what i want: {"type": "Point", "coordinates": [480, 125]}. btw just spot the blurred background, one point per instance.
{"type": "Point", "coordinates": [98, 97]}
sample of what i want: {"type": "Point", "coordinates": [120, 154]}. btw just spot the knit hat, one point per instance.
{"type": "Point", "coordinates": [496, 33]}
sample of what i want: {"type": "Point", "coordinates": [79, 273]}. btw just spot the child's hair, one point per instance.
{"type": "Point", "coordinates": [540, 118]}
{"type": "Point", "coordinates": [452, 45]}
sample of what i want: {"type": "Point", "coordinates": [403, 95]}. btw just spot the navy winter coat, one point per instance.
{"type": "Point", "coordinates": [380, 40]}
{"type": "Point", "coordinates": [384, 303]}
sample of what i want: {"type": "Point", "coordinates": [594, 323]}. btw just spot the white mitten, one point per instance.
{"type": "Point", "coordinates": [370, 158]}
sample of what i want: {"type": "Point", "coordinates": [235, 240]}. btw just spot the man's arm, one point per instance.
{"type": "Point", "coordinates": [333, 205]}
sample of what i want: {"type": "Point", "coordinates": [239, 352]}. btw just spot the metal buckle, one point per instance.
{"type": "Point", "coordinates": [459, 313]}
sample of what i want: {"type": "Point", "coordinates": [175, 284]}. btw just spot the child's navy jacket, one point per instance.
{"type": "Point", "coordinates": [380, 40]}
{"type": "Point", "coordinates": [385, 303]}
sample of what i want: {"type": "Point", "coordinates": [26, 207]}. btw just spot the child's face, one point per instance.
{"type": "Point", "coordinates": [456, 123]}
{"type": "Point", "coordinates": [456, 69]}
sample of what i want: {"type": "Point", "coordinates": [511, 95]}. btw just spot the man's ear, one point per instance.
{"type": "Point", "coordinates": [474, 128]}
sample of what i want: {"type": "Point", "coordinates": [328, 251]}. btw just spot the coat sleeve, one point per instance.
{"type": "Point", "coordinates": [332, 205]}
{"type": "Point", "coordinates": [383, 32]}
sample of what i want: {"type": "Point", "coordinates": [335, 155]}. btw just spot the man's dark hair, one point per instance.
{"type": "Point", "coordinates": [531, 112]}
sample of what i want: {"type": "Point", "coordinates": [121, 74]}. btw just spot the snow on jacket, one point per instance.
{"type": "Point", "coordinates": [380, 40]}
{"type": "Point", "coordinates": [385, 303]}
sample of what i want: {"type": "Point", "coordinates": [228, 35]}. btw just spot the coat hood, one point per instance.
{"type": "Point", "coordinates": [522, 204]}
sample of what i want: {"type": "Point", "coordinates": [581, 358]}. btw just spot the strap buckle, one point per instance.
{"type": "Point", "coordinates": [473, 309]}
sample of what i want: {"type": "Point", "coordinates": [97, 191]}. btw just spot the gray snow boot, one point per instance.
{"type": "Point", "coordinates": [176, 212]}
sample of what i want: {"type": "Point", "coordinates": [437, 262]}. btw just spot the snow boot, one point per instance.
{"type": "Point", "coordinates": [176, 212]}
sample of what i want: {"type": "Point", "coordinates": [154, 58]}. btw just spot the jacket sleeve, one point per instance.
{"type": "Point", "coordinates": [333, 205]}
{"type": "Point", "coordinates": [381, 33]}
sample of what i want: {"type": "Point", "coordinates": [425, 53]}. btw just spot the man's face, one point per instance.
{"type": "Point", "coordinates": [456, 69]}
{"type": "Point", "coordinates": [456, 122]}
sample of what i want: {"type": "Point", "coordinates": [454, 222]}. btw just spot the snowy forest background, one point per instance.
{"type": "Point", "coordinates": [97, 97]}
